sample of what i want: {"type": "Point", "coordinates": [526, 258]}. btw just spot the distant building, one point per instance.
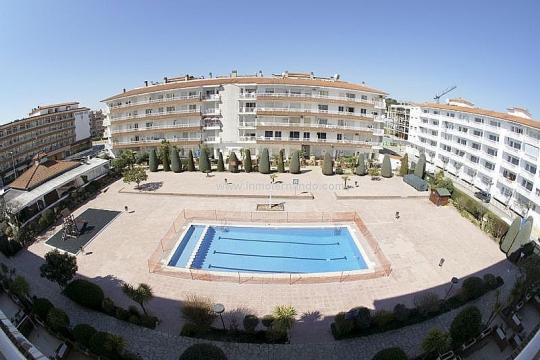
{"type": "Point", "coordinates": [397, 123]}
{"type": "Point", "coordinates": [59, 130]}
{"type": "Point", "coordinates": [96, 124]}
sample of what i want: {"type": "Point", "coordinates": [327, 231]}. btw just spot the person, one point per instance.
{"type": "Point", "coordinates": [81, 249]}
{"type": "Point", "coordinates": [126, 208]}
{"type": "Point", "coordinates": [226, 182]}
{"type": "Point", "coordinates": [397, 214]}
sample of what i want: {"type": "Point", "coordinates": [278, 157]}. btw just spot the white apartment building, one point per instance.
{"type": "Point", "coordinates": [290, 111]}
{"type": "Point", "coordinates": [494, 151]}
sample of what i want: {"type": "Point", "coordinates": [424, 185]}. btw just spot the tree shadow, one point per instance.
{"type": "Point", "coordinates": [151, 186]}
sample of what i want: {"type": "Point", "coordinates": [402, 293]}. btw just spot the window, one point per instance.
{"type": "Point", "coordinates": [512, 160]}
{"type": "Point", "coordinates": [513, 143]}
{"type": "Point", "coordinates": [351, 96]}
{"type": "Point", "coordinates": [321, 136]}
{"type": "Point", "coordinates": [323, 93]}
{"type": "Point", "coordinates": [340, 136]}
{"type": "Point", "coordinates": [478, 120]}
{"type": "Point", "coordinates": [475, 146]}
{"type": "Point", "coordinates": [364, 97]}
{"type": "Point", "coordinates": [493, 137]}
{"type": "Point", "coordinates": [192, 93]}
{"type": "Point", "coordinates": [350, 109]}
{"type": "Point", "coordinates": [477, 132]}
{"type": "Point", "coordinates": [462, 141]}
{"type": "Point", "coordinates": [509, 175]}
{"type": "Point", "coordinates": [446, 148]}
{"type": "Point", "coordinates": [494, 123]}
{"type": "Point", "coordinates": [492, 151]}
{"type": "Point", "coordinates": [277, 134]}
{"type": "Point", "coordinates": [516, 129]}
{"type": "Point", "coordinates": [474, 159]}
{"type": "Point", "coordinates": [490, 166]}
{"type": "Point", "coordinates": [294, 135]}
{"type": "Point", "coordinates": [268, 134]}
{"type": "Point", "coordinates": [435, 112]}
{"type": "Point", "coordinates": [527, 184]}
{"type": "Point", "coordinates": [426, 111]}
{"type": "Point", "coordinates": [306, 135]}
{"type": "Point", "coordinates": [530, 168]}
{"type": "Point", "coordinates": [148, 111]}
{"type": "Point", "coordinates": [341, 108]}
{"type": "Point", "coordinates": [192, 107]}
{"type": "Point", "coordinates": [322, 121]}
{"type": "Point", "coordinates": [269, 90]}
{"type": "Point", "coordinates": [363, 111]}
{"type": "Point", "coordinates": [450, 114]}
{"type": "Point", "coordinates": [170, 108]}
{"type": "Point", "coordinates": [463, 129]}
{"type": "Point", "coordinates": [323, 108]}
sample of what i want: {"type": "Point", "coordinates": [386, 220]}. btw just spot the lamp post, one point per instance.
{"type": "Point", "coordinates": [453, 282]}
{"type": "Point", "coordinates": [219, 309]}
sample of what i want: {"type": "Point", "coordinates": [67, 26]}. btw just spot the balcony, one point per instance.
{"type": "Point", "coordinates": [211, 97]}
{"type": "Point", "coordinates": [316, 97]}
{"type": "Point", "coordinates": [378, 132]}
{"type": "Point", "coordinates": [212, 140]}
{"type": "Point", "coordinates": [157, 101]}
{"type": "Point", "coordinates": [365, 143]}
{"type": "Point", "coordinates": [194, 126]}
{"type": "Point", "coordinates": [248, 110]}
{"type": "Point", "coordinates": [211, 112]}
{"type": "Point", "coordinates": [325, 113]}
{"type": "Point", "coordinates": [248, 139]}
{"type": "Point", "coordinates": [154, 142]}
{"type": "Point", "coordinates": [248, 96]}
{"type": "Point", "coordinates": [314, 126]}
{"type": "Point", "coordinates": [182, 113]}
{"type": "Point", "coordinates": [247, 125]}
{"type": "Point", "coordinates": [212, 125]}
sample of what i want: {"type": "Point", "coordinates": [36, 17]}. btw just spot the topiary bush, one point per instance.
{"type": "Point", "coordinates": [267, 321]}
{"type": "Point", "coordinates": [281, 161]}
{"type": "Point", "coordinates": [420, 168]}
{"type": "Point", "coordinates": [472, 288]}
{"type": "Point", "coordinates": [220, 163]}
{"type": "Point", "coordinates": [57, 320]}
{"type": "Point", "coordinates": [328, 165]}
{"type": "Point", "coordinates": [202, 351]}
{"type": "Point", "coordinates": [153, 161]}
{"type": "Point", "coordinates": [190, 161]}
{"type": "Point", "coordinates": [105, 344]}
{"type": "Point", "coordinates": [250, 323]}
{"type": "Point", "coordinates": [393, 353]}
{"type": "Point", "coordinates": [386, 169]}
{"type": "Point", "coordinates": [427, 303]}
{"type": "Point", "coordinates": [342, 326]}
{"type": "Point", "coordinates": [466, 325]}
{"type": "Point", "coordinates": [176, 165]}
{"type": "Point", "coordinates": [264, 163]}
{"type": "Point", "coordinates": [204, 161]}
{"type": "Point", "coordinates": [233, 163]}
{"type": "Point", "coordinates": [436, 342]}
{"type": "Point", "coordinates": [248, 165]}
{"type": "Point", "coordinates": [401, 313]}
{"type": "Point", "coordinates": [41, 307]}
{"type": "Point", "coordinates": [165, 156]}
{"type": "Point", "coordinates": [404, 167]}
{"type": "Point", "coordinates": [85, 293]}
{"type": "Point", "coordinates": [361, 316]}
{"type": "Point", "coordinates": [294, 163]}
{"type": "Point", "coordinates": [361, 166]}
{"type": "Point", "coordinates": [83, 333]}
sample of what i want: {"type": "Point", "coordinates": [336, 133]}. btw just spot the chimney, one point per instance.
{"type": "Point", "coordinates": [145, 82]}
{"type": "Point", "coordinates": [260, 73]}
{"type": "Point", "coordinates": [311, 75]}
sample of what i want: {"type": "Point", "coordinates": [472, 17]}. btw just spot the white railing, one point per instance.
{"type": "Point", "coordinates": [378, 132]}
{"type": "Point", "coordinates": [150, 128]}
{"type": "Point", "coordinates": [247, 125]}
{"type": "Point", "coordinates": [248, 110]}
{"type": "Point", "coordinates": [155, 141]}
{"type": "Point", "coordinates": [332, 141]}
{"type": "Point", "coordinates": [248, 96]}
{"type": "Point", "coordinates": [154, 114]}
{"type": "Point", "coordinates": [317, 126]}
{"type": "Point", "coordinates": [156, 101]}
{"type": "Point", "coordinates": [248, 138]}
{"type": "Point", "coordinates": [211, 112]}
{"type": "Point", "coordinates": [313, 111]}
{"type": "Point", "coordinates": [212, 97]}
{"type": "Point", "coordinates": [321, 97]}
{"type": "Point", "coordinates": [213, 139]}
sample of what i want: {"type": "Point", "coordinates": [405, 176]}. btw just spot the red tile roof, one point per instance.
{"type": "Point", "coordinates": [39, 173]}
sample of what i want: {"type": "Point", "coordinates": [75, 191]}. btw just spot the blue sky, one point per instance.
{"type": "Point", "coordinates": [54, 51]}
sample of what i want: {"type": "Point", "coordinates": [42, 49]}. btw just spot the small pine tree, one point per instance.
{"type": "Point", "coordinates": [233, 163]}
{"type": "Point", "coordinates": [361, 167]}
{"type": "Point", "coordinates": [220, 164]}
{"type": "Point", "coordinates": [328, 165]}
{"type": "Point", "coordinates": [190, 162]}
{"type": "Point", "coordinates": [204, 161]}
{"type": "Point", "coordinates": [404, 168]}
{"type": "Point", "coordinates": [281, 161]}
{"type": "Point", "coordinates": [386, 170]}
{"type": "Point", "coordinates": [248, 167]}
{"type": "Point", "coordinates": [294, 164]}
{"type": "Point", "coordinates": [176, 166]}
{"type": "Point", "coordinates": [420, 167]}
{"type": "Point", "coordinates": [153, 161]}
{"type": "Point", "coordinates": [264, 164]}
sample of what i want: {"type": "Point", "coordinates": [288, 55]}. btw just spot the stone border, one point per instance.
{"type": "Point", "coordinates": [306, 196]}
{"type": "Point", "coordinates": [380, 197]}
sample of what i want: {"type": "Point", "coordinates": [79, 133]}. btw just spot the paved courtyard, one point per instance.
{"type": "Point", "coordinates": [414, 244]}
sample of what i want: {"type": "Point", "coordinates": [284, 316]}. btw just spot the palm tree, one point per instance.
{"type": "Point", "coordinates": [283, 317]}
{"type": "Point", "coordinates": [345, 179]}
{"type": "Point", "coordinates": [141, 294]}
{"type": "Point", "coordinates": [273, 178]}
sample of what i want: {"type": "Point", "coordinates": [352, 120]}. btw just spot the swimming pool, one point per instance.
{"type": "Point", "coordinates": [265, 249]}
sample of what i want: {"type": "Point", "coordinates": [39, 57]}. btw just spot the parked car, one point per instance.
{"type": "Point", "coordinates": [483, 195]}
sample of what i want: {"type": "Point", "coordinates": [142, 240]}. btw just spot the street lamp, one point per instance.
{"type": "Point", "coordinates": [453, 282]}
{"type": "Point", "coordinates": [219, 309]}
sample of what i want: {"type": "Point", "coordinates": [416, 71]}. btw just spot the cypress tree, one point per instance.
{"type": "Point", "coordinates": [294, 164]}
{"type": "Point", "coordinates": [233, 163]}
{"type": "Point", "coordinates": [220, 164]}
{"type": "Point", "coordinates": [386, 170]}
{"type": "Point", "coordinates": [175, 160]}
{"type": "Point", "coordinates": [328, 166]}
{"type": "Point", "coordinates": [361, 167]}
{"type": "Point", "coordinates": [190, 162]}
{"type": "Point", "coordinates": [420, 167]}
{"type": "Point", "coordinates": [153, 161]}
{"type": "Point", "coordinates": [404, 168]}
{"type": "Point", "coordinates": [164, 156]}
{"type": "Point", "coordinates": [281, 162]}
{"type": "Point", "coordinates": [204, 161]}
{"type": "Point", "coordinates": [247, 161]}
{"type": "Point", "coordinates": [264, 164]}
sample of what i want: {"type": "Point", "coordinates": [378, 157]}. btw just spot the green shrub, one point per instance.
{"type": "Point", "coordinates": [472, 288]}
{"type": "Point", "coordinates": [85, 293]}
{"type": "Point", "coordinates": [176, 165]}
{"type": "Point", "coordinates": [83, 333]}
{"type": "Point", "coordinates": [190, 161]}
{"type": "Point", "coordinates": [386, 170]}
{"type": "Point", "coordinates": [250, 323]}
{"type": "Point", "coordinates": [294, 164]}
{"type": "Point", "coordinates": [382, 319]}
{"type": "Point", "coordinates": [404, 167]}
{"type": "Point", "coordinates": [189, 330]}
{"type": "Point", "coordinates": [281, 161]}
{"type": "Point", "coordinates": [220, 164]}
{"type": "Point", "coordinates": [248, 165]}
{"type": "Point", "coordinates": [141, 157]}
{"type": "Point", "coordinates": [105, 344]}
{"type": "Point", "coordinates": [436, 342]}
{"type": "Point", "coordinates": [203, 351]}
{"type": "Point", "coordinates": [108, 306]}
{"type": "Point", "coordinates": [393, 353]}
{"type": "Point", "coordinates": [57, 320]}
{"type": "Point", "coordinates": [342, 325]}
{"type": "Point", "coordinates": [204, 161]}
{"type": "Point", "coordinates": [46, 219]}
{"type": "Point", "coordinates": [328, 165]}
{"type": "Point", "coordinates": [264, 162]}
{"type": "Point", "coordinates": [148, 321]}
{"type": "Point", "coordinates": [19, 286]}
{"type": "Point", "coordinates": [41, 307]}
{"type": "Point", "coordinates": [153, 161]}
{"type": "Point", "coordinates": [267, 321]}
{"type": "Point", "coordinates": [134, 319]}
{"type": "Point", "coordinates": [198, 310]}
{"type": "Point", "coordinates": [361, 167]}
{"type": "Point", "coordinates": [233, 162]}
{"type": "Point", "coordinates": [9, 247]}
{"type": "Point", "coordinates": [59, 267]}
{"type": "Point", "coordinates": [401, 312]}
{"type": "Point", "coordinates": [427, 303]}
{"type": "Point", "coordinates": [490, 281]}
{"type": "Point", "coordinates": [361, 316]}
{"type": "Point", "coordinates": [122, 314]}
{"type": "Point", "coordinates": [466, 325]}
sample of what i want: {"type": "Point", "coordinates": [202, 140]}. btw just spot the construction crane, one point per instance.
{"type": "Point", "coordinates": [437, 97]}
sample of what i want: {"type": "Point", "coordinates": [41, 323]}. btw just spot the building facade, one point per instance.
{"type": "Point", "coordinates": [494, 151]}
{"type": "Point", "coordinates": [59, 130]}
{"type": "Point", "coordinates": [290, 111]}
{"type": "Point", "coordinates": [97, 129]}
{"type": "Point", "coordinates": [397, 122]}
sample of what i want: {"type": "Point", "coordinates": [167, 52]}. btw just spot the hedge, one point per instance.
{"type": "Point", "coordinates": [281, 161]}
{"type": "Point", "coordinates": [233, 163]}
{"type": "Point", "coordinates": [420, 167]}
{"type": "Point", "coordinates": [41, 307]}
{"type": "Point", "coordinates": [204, 161]}
{"type": "Point", "coordinates": [83, 333]}
{"type": "Point", "coordinates": [204, 351]}
{"type": "Point", "coordinates": [85, 293]}
{"type": "Point", "coordinates": [176, 165]}
{"type": "Point", "coordinates": [190, 162]}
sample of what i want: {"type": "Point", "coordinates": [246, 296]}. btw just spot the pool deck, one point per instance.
{"type": "Point", "coordinates": [414, 244]}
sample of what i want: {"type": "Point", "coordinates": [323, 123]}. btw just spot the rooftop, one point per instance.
{"type": "Point", "coordinates": [42, 170]}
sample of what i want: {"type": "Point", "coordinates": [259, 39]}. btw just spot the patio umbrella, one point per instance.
{"type": "Point", "coordinates": [523, 237]}
{"type": "Point", "coordinates": [508, 239]}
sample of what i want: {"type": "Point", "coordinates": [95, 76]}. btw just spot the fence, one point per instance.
{"type": "Point", "coordinates": [157, 263]}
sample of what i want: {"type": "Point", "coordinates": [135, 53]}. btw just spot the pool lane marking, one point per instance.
{"type": "Point", "coordinates": [279, 241]}
{"type": "Point", "coordinates": [278, 256]}
{"type": "Point", "coordinates": [254, 270]}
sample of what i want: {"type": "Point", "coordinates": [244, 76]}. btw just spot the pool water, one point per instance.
{"type": "Point", "coordinates": [268, 249]}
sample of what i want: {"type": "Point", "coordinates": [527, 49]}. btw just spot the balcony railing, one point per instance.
{"type": "Point", "coordinates": [315, 140]}
{"type": "Point", "coordinates": [207, 112]}
{"type": "Point", "coordinates": [248, 110]}
{"type": "Point", "coordinates": [157, 101]}
{"type": "Point", "coordinates": [156, 114]}
{"type": "Point", "coordinates": [319, 112]}
{"type": "Point", "coordinates": [248, 138]}
{"type": "Point", "coordinates": [211, 97]}
{"type": "Point", "coordinates": [155, 141]}
{"type": "Point", "coordinates": [318, 97]}
{"type": "Point", "coordinates": [315, 126]}
{"type": "Point", "coordinates": [151, 128]}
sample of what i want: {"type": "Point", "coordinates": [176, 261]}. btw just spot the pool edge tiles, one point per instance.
{"type": "Point", "coordinates": [272, 253]}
